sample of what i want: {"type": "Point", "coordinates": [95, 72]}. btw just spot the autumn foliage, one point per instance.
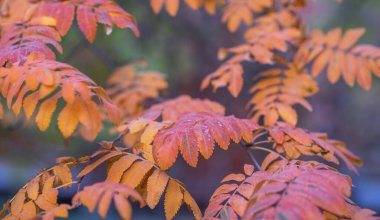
{"type": "Point", "coordinates": [153, 131]}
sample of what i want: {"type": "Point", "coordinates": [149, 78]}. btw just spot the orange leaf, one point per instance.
{"type": "Point", "coordinates": [173, 199]}
{"type": "Point", "coordinates": [45, 113]}
{"type": "Point", "coordinates": [172, 7]}
{"type": "Point", "coordinates": [186, 132]}
{"type": "Point", "coordinates": [68, 119]}
{"type": "Point", "coordinates": [288, 114]}
{"type": "Point", "coordinates": [156, 186]}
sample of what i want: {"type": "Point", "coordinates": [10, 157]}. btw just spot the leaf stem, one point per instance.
{"type": "Point", "coordinates": [67, 184]}
{"type": "Point", "coordinates": [252, 156]}
{"type": "Point", "coordinates": [250, 153]}
{"type": "Point", "coordinates": [253, 147]}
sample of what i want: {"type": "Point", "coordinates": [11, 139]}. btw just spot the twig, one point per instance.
{"type": "Point", "coordinates": [250, 153]}
{"type": "Point", "coordinates": [253, 147]}
{"type": "Point", "coordinates": [259, 142]}
{"type": "Point", "coordinates": [118, 139]}
{"type": "Point", "coordinates": [67, 184]}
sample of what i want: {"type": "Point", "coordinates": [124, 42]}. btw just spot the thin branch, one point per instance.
{"type": "Point", "coordinates": [67, 184]}
{"type": "Point", "coordinates": [250, 153]}
{"type": "Point", "coordinates": [259, 142]}
{"type": "Point", "coordinates": [117, 139]}
{"type": "Point", "coordinates": [252, 156]}
{"type": "Point", "coordinates": [253, 147]}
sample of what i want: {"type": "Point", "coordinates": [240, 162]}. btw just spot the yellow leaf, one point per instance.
{"type": "Point", "coordinates": [90, 117]}
{"type": "Point", "coordinates": [173, 199]}
{"type": "Point", "coordinates": [68, 91]}
{"type": "Point", "coordinates": [44, 204]}
{"type": "Point", "coordinates": [18, 202]}
{"type": "Point", "coordinates": [63, 172]}
{"type": "Point", "coordinates": [94, 165]}
{"type": "Point", "coordinates": [156, 186]}
{"type": "Point", "coordinates": [29, 210]}
{"type": "Point", "coordinates": [288, 114]}
{"type": "Point", "coordinates": [30, 103]}
{"type": "Point", "coordinates": [44, 21]}
{"type": "Point", "coordinates": [45, 113]}
{"type": "Point", "coordinates": [150, 131]}
{"type": "Point", "coordinates": [157, 5]}
{"type": "Point", "coordinates": [137, 125]}
{"type": "Point", "coordinates": [68, 119]}
{"type": "Point", "coordinates": [172, 7]}
{"type": "Point", "coordinates": [193, 205]}
{"type": "Point", "coordinates": [118, 168]}
{"type": "Point", "coordinates": [32, 189]}
{"type": "Point", "coordinates": [272, 117]}
{"type": "Point", "coordinates": [136, 173]}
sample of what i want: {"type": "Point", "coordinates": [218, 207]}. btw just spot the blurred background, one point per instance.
{"type": "Point", "coordinates": [185, 49]}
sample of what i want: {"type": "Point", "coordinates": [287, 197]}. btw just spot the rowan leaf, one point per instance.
{"type": "Point", "coordinates": [231, 198]}
{"type": "Point", "coordinates": [294, 142]}
{"type": "Point", "coordinates": [89, 14]}
{"type": "Point", "coordinates": [52, 80]}
{"type": "Point", "coordinates": [133, 176]}
{"type": "Point", "coordinates": [174, 108]}
{"type": "Point", "coordinates": [109, 190]}
{"type": "Point", "coordinates": [136, 172]}
{"type": "Point", "coordinates": [130, 89]}
{"type": "Point", "coordinates": [123, 207]}
{"type": "Point", "coordinates": [156, 185]}
{"type": "Point", "coordinates": [340, 56]}
{"type": "Point", "coordinates": [117, 169]}
{"type": "Point", "coordinates": [45, 113]}
{"type": "Point", "coordinates": [301, 190]}
{"type": "Point", "coordinates": [276, 91]}
{"type": "Point", "coordinates": [238, 12]}
{"type": "Point", "coordinates": [172, 6]}
{"type": "Point", "coordinates": [18, 203]}
{"type": "Point", "coordinates": [87, 22]}
{"type": "Point", "coordinates": [22, 40]}
{"type": "Point", "coordinates": [39, 197]}
{"type": "Point", "coordinates": [182, 136]}
{"type": "Point", "coordinates": [68, 119]}
{"type": "Point", "coordinates": [173, 199]}
{"type": "Point", "coordinates": [94, 165]}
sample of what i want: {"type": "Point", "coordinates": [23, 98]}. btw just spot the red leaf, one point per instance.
{"type": "Point", "coordinates": [87, 21]}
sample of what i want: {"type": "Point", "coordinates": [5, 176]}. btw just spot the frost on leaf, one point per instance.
{"type": "Point", "coordinates": [195, 133]}
{"type": "Point", "coordinates": [163, 115]}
